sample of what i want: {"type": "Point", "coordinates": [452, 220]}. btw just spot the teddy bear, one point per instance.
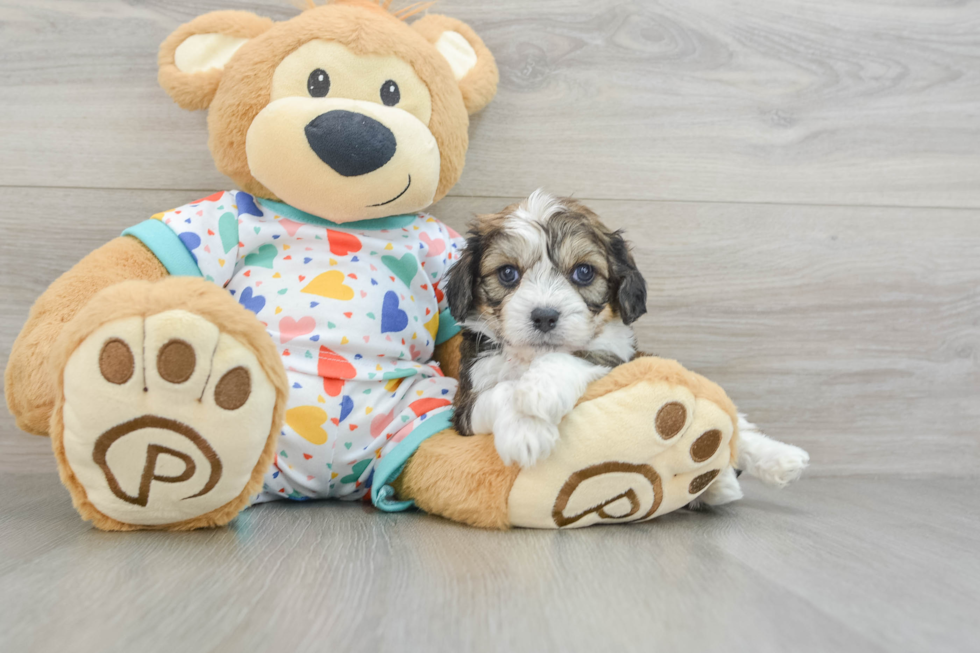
{"type": "Point", "coordinates": [290, 340]}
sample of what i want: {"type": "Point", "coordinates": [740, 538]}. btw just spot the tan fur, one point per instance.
{"type": "Point", "coordinates": [28, 383]}
{"type": "Point", "coordinates": [480, 84]}
{"type": "Point", "coordinates": [448, 356]}
{"type": "Point", "coordinates": [143, 298]}
{"type": "Point", "coordinates": [365, 28]}
{"type": "Point", "coordinates": [646, 368]}
{"type": "Point", "coordinates": [463, 478]}
{"type": "Point", "coordinates": [194, 91]}
{"type": "Point", "coordinates": [459, 478]}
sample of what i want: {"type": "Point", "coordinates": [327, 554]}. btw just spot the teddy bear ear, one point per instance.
{"type": "Point", "coordinates": [470, 60]}
{"type": "Point", "coordinates": [191, 60]}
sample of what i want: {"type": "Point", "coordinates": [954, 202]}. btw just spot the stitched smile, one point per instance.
{"type": "Point", "coordinates": [396, 196]}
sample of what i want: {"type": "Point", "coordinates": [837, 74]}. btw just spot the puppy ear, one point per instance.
{"type": "Point", "coordinates": [471, 62]}
{"type": "Point", "coordinates": [192, 59]}
{"type": "Point", "coordinates": [462, 279]}
{"type": "Point", "coordinates": [631, 291]}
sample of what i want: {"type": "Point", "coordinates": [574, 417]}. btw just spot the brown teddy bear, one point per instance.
{"type": "Point", "coordinates": [291, 340]}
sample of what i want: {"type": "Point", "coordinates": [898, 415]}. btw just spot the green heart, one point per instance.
{"type": "Point", "coordinates": [404, 268]}
{"type": "Point", "coordinates": [262, 258]}
{"type": "Point", "coordinates": [347, 444]}
{"type": "Point", "coordinates": [356, 471]}
{"type": "Point", "coordinates": [283, 291]}
{"type": "Point", "coordinates": [228, 230]}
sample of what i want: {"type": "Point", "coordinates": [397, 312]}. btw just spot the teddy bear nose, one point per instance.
{"type": "Point", "coordinates": [349, 142]}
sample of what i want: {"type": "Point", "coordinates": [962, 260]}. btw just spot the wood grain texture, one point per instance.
{"type": "Point", "coordinates": [828, 565]}
{"type": "Point", "coordinates": [836, 102]}
{"type": "Point", "coordinates": [852, 332]}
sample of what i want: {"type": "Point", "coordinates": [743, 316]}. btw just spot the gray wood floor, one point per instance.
{"type": "Point", "coordinates": [802, 184]}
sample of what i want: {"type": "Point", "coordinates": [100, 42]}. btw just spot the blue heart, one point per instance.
{"type": "Point", "coordinates": [346, 406]}
{"type": "Point", "coordinates": [393, 319]}
{"type": "Point", "coordinates": [373, 282]}
{"type": "Point", "coordinates": [254, 304]}
{"type": "Point", "coordinates": [191, 241]}
{"type": "Point", "coordinates": [307, 259]}
{"type": "Point", "coordinates": [315, 338]}
{"type": "Point", "coordinates": [246, 205]}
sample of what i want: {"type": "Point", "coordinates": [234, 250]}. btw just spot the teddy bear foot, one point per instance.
{"type": "Point", "coordinates": [648, 438]}
{"type": "Point", "coordinates": [649, 442]}
{"type": "Point", "coordinates": [166, 421]}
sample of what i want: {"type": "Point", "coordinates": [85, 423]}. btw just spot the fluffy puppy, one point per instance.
{"type": "Point", "coordinates": [546, 293]}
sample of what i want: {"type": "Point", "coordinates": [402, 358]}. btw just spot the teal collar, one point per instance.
{"type": "Point", "coordinates": [291, 212]}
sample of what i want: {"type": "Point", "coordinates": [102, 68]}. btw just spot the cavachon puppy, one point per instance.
{"type": "Point", "coordinates": [546, 294]}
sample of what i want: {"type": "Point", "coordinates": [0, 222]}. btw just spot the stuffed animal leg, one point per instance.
{"type": "Point", "coordinates": [645, 440]}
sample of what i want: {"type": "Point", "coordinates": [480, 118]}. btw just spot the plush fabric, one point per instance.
{"type": "Point", "coordinates": [28, 383]}
{"type": "Point", "coordinates": [360, 26]}
{"type": "Point", "coordinates": [645, 440]}
{"type": "Point", "coordinates": [145, 299]}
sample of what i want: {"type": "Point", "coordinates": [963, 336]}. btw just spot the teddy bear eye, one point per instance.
{"type": "Point", "coordinates": [390, 94]}
{"type": "Point", "coordinates": [318, 83]}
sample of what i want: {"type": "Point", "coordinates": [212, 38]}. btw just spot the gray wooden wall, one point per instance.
{"type": "Point", "coordinates": [801, 182]}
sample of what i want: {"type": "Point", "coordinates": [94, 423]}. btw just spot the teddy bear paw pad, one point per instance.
{"type": "Point", "coordinates": [631, 455]}
{"type": "Point", "coordinates": [165, 417]}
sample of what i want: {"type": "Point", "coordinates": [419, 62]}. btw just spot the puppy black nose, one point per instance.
{"type": "Point", "coordinates": [544, 319]}
{"type": "Point", "coordinates": [351, 143]}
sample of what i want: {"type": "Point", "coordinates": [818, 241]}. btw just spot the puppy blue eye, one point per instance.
{"type": "Point", "coordinates": [583, 274]}
{"type": "Point", "coordinates": [508, 275]}
{"type": "Point", "coordinates": [390, 94]}
{"type": "Point", "coordinates": [318, 83]}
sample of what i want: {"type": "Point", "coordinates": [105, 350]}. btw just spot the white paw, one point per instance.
{"type": "Point", "coordinates": [523, 440]}
{"type": "Point", "coordinates": [552, 385]}
{"type": "Point", "coordinates": [724, 489]}
{"type": "Point", "coordinates": [544, 398]}
{"type": "Point", "coordinates": [781, 468]}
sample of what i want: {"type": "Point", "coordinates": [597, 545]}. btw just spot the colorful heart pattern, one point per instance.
{"type": "Point", "coordinates": [354, 313]}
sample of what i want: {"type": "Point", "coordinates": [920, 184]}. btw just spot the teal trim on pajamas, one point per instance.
{"type": "Point", "coordinates": [292, 213]}
{"type": "Point", "coordinates": [166, 246]}
{"type": "Point", "coordinates": [390, 467]}
{"type": "Point", "coordinates": [447, 327]}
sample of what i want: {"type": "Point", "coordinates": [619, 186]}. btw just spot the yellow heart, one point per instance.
{"type": "Point", "coordinates": [378, 368]}
{"type": "Point", "coordinates": [333, 475]}
{"type": "Point", "coordinates": [278, 310]}
{"type": "Point", "coordinates": [344, 340]}
{"type": "Point", "coordinates": [321, 399]}
{"type": "Point", "coordinates": [308, 421]}
{"type": "Point", "coordinates": [389, 246]}
{"type": "Point", "coordinates": [418, 392]}
{"type": "Point", "coordinates": [367, 411]}
{"type": "Point", "coordinates": [333, 261]}
{"type": "Point", "coordinates": [285, 246]}
{"type": "Point", "coordinates": [432, 326]}
{"type": "Point", "coordinates": [221, 262]}
{"type": "Point", "coordinates": [415, 336]}
{"type": "Point", "coordinates": [277, 276]}
{"type": "Point", "coordinates": [330, 284]}
{"type": "Point", "coordinates": [393, 384]}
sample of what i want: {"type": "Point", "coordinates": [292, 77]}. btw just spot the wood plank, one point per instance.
{"type": "Point", "coordinates": [829, 565]}
{"type": "Point", "coordinates": [837, 102]}
{"type": "Point", "coordinates": [850, 331]}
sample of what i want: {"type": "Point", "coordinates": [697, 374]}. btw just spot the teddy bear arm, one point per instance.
{"type": "Point", "coordinates": [28, 383]}
{"type": "Point", "coordinates": [447, 355]}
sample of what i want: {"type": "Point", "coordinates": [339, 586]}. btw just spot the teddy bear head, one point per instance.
{"type": "Point", "coordinates": [345, 111]}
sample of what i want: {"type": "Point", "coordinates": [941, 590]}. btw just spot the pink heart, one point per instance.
{"type": "Point", "coordinates": [436, 247]}
{"type": "Point", "coordinates": [290, 328]}
{"type": "Point", "coordinates": [363, 294]}
{"type": "Point", "coordinates": [290, 226]}
{"type": "Point", "coordinates": [380, 423]}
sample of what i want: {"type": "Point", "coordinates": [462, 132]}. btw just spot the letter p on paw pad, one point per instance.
{"type": "Point", "coordinates": [164, 420]}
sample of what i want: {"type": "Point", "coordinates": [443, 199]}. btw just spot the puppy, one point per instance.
{"type": "Point", "coordinates": [546, 295]}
